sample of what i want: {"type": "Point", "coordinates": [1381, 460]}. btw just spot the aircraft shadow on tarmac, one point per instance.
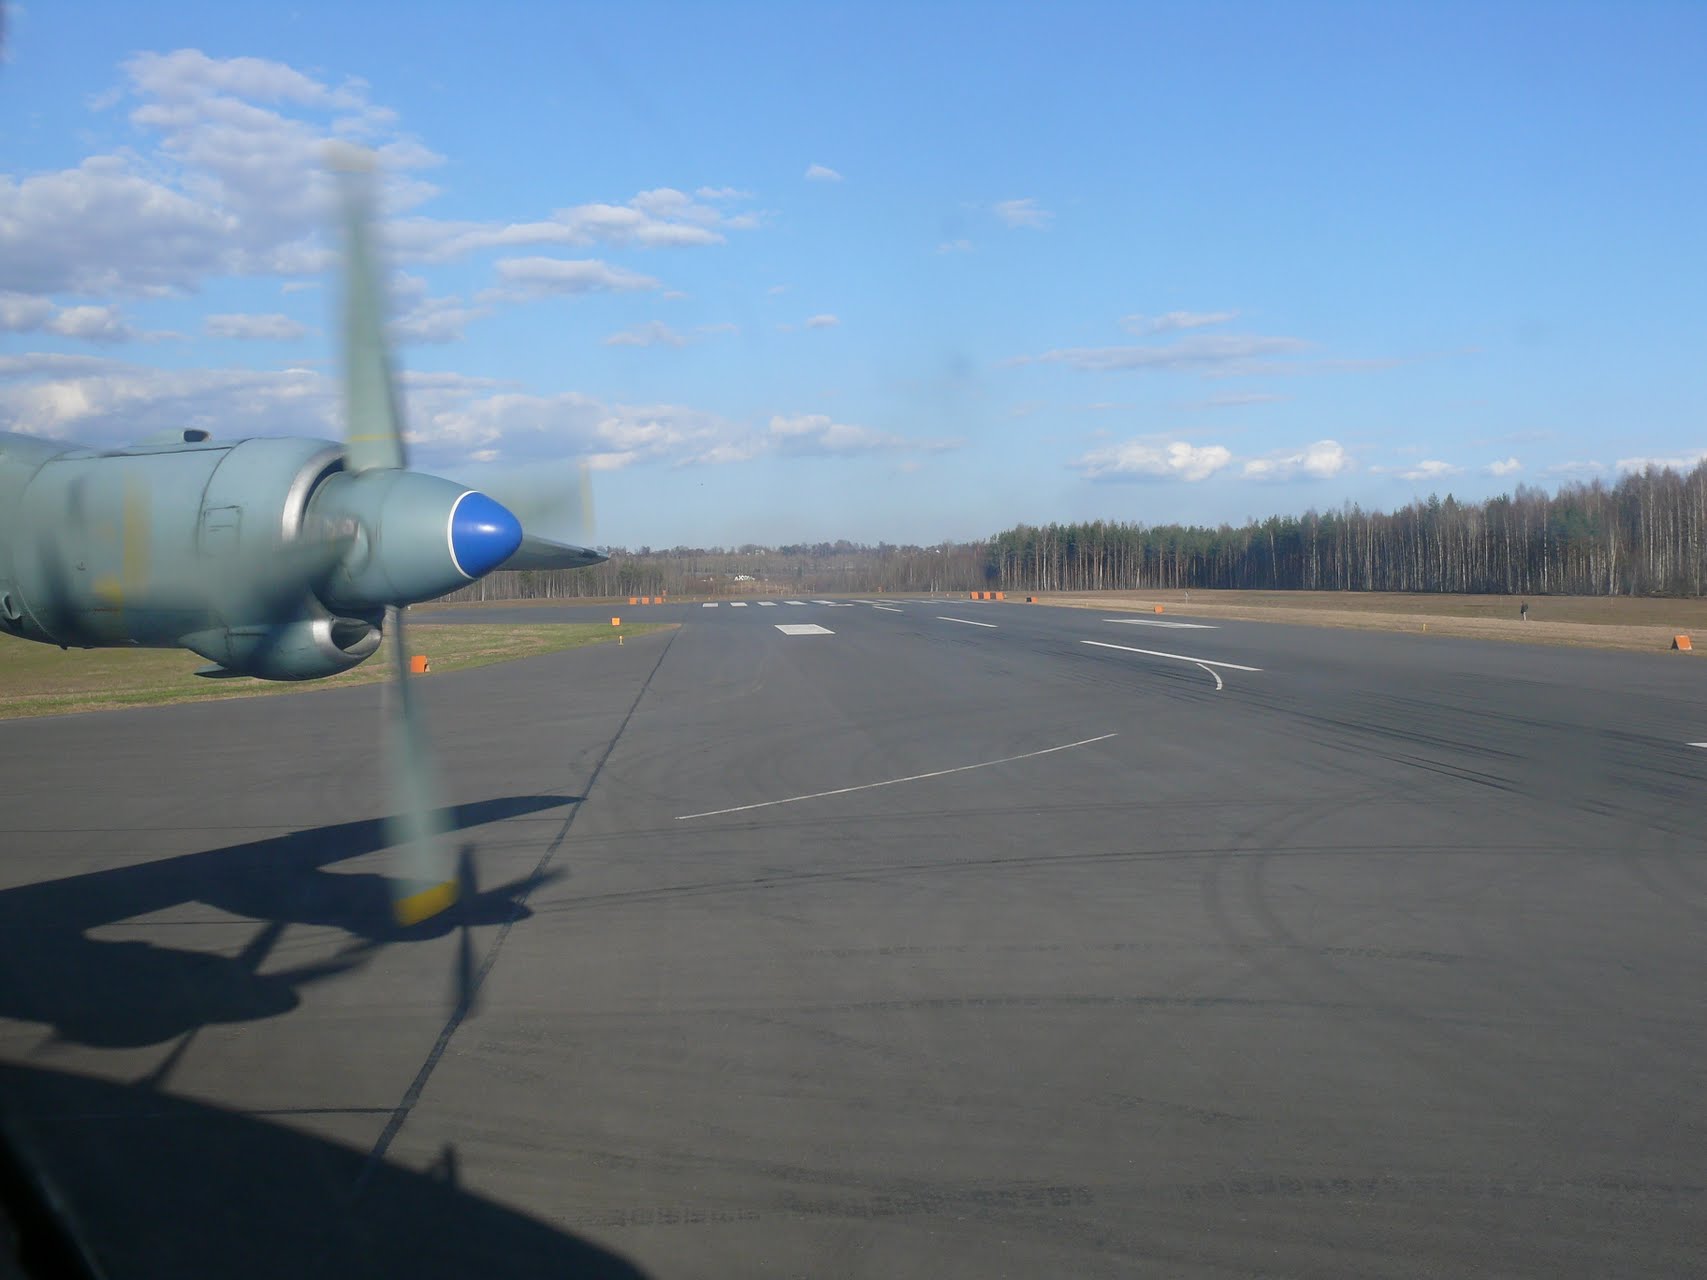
{"type": "Point", "coordinates": [204, 1191]}
{"type": "Point", "coordinates": [116, 994]}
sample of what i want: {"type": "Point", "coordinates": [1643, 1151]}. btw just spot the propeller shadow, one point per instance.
{"type": "Point", "coordinates": [115, 994]}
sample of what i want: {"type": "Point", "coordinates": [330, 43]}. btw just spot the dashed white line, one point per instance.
{"type": "Point", "coordinates": [738, 604]}
{"type": "Point", "coordinates": [1177, 657]}
{"type": "Point", "coordinates": [803, 629]}
{"type": "Point", "coordinates": [1157, 622]}
{"type": "Point", "coordinates": [767, 604]}
{"type": "Point", "coordinates": [967, 622]}
{"type": "Point", "coordinates": [888, 608]}
{"type": "Point", "coordinates": [710, 604]}
{"type": "Point", "coordinates": [801, 603]}
{"type": "Point", "coordinates": [890, 782]}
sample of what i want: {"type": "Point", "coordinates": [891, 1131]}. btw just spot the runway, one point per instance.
{"type": "Point", "coordinates": [924, 938]}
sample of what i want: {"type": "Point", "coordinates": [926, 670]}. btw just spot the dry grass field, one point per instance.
{"type": "Point", "coordinates": [39, 680]}
{"type": "Point", "coordinates": [1599, 622]}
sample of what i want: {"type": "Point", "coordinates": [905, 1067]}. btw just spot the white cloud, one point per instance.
{"type": "Point", "coordinates": [653, 333]}
{"type": "Point", "coordinates": [1322, 460]}
{"type": "Point", "coordinates": [822, 321]}
{"type": "Point", "coordinates": [1206, 353]}
{"type": "Point", "coordinates": [1686, 461]}
{"type": "Point", "coordinates": [1175, 321]}
{"type": "Point", "coordinates": [228, 179]}
{"type": "Point", "coordinates": [955, 246]}
{"type": "Point", "coordinates": [542, 277]}
{"type": "Point", "coordinates": [1141, 459]}
{"type": "Point", "coordinates": [723, 193]}
{"type": "Point", "coordinates": [1427, 469]}
{"type": "Point", "coordinates": [821, 173]}
{"type": "Point", "coordinates": [22, 313]}
{"type": "Point", "coordinates": [453, 419]}
{"type": "Point", "coordinates": [259, 328]}
{"type": "Point", "coordinates": [1580, 467]}
{"type": "Point", "coordinates": [725, 327]}
{"type": "Point", "coordinates": [817, 433]}
{"type": "Point", "coordinates": [658, 219]}
{"type": "Point", "coordinates": [1504, 467]}
{"type": "Point", "coordinates": [1234, 399]}
{"type": "Point", "coordinates": [1023, 213]}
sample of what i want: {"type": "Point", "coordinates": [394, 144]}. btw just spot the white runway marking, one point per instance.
{"type": "Point", "coordinates": [1213, 675]}
{"type": "Point", "coordinates": [738, 604]}
{"type": "Point", "coordinates": [967, 622]}
{"type": "Point", "coordinates": [767, 604]}
{"type": "Point", "coordinates": [802, 603]}
{"type": "Point", "coordinates": [887, 608]}
{"type": "Point", "coordinates": [1146, 622]}
{"type": "Point", "coordinates": [1178, 657]}
{"type": "Point", "coordinates": [1695, 744]}
{"type": "Point", "coordinates": [890, 782]}
{"type": "Point", "coordinates": [710, 604]}
{"type": "Point", "coordinates": [803, 629]}
{"type": "Point", "coordinates": [823, 602]}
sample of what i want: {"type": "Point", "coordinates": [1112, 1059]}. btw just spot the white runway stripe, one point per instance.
{"type": "Point", "coordinates": [802, 603]}
{"type": "Point", "coordinates": [1157, 622]}
{"type": "Point", "coordinates": [710, 604]}
{"type": "Point", "coordinates": [1178, 657]}
{"type": "Point", "coordinates": [803, 629]}
{"type": "Point", "coordinates": [891, 782]}
{"type": "Point", "coordinates": [888, 608]}
{"type": "Point", "coordinates": [967, 622]}
{"type": "Point", "coordinates": [767, 604]}
{"type": "Point", "coordinates": [738, 604]}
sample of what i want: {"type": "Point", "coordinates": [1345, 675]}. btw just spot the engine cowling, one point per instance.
{"type": "Point", "coordinates": [307, 648]}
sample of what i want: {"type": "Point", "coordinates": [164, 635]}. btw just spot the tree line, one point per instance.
{"type": "Point", "coordinates": [1643, 535]}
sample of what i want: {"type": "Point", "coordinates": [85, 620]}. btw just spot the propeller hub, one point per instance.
{"type": "Point", "coordinates": [483, 534]}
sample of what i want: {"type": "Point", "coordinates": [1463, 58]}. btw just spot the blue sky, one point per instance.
{"type": "Point", "coordinates": [796, 272]}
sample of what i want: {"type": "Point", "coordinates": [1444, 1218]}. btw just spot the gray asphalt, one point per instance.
{"type": "Point", "coordinates": [1384, 959]}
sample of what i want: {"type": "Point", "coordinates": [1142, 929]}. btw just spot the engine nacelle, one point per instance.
{"type": "Point", "coordinates": [150, 544]}
{"type": "Point", "coordinates": [306, 649]}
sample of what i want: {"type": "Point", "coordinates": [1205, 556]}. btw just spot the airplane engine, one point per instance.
{"type": "Point", "coordinates": [306, 649]}
{"type": "Point", "coordinates": [148, 545]}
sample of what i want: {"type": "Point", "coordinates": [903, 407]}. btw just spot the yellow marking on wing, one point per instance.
{"type": "Point", "coordinates": [424, 904]}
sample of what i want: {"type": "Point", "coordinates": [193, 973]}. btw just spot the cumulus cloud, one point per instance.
{"type": "Point", "coordinates": [1207, 353]}
{"type": "Point", "coordinates": [228, 179]}
{"type": "Point", "coordinates": [1175, 321]}
{"type": "Point", "coordinates": [1025, 213]}
{"type": "Point", "coordinates": [256, 328]}
{"type": "Point", "coordinates": [821, 173]}
{"type": "Point", "coordinates": [654, 333]}
{"type": "Point", "coordinates": [453, 419]}
{"type": "Point", "coordinates": [1685, 461]}
{"type": "Point", "coordinates": [543, 277]}
{"type": "Point", "coordinates": [823, 320]}
{"type": "Point", "coordinates": [1322, 460]}
{"type": "Point", "coordinates": [1504, 467]}
{"type": "Point", "coordinates": [1139, 459]}
{"type": "Point", "coordinates": [22, 313]}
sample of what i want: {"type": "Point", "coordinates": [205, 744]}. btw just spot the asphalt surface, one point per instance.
{"type": "Point", "coordinates": [1383, 959]}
